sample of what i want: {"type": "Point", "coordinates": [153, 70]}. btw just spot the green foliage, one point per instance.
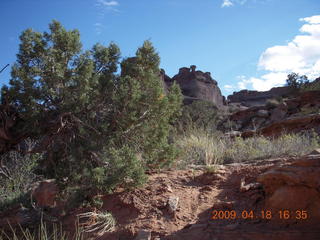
{"type": "Point", "coordinates": [129, 173]}
{"type": "Point", "coordinates": [295, 81]}
{"type": "Point", "coordinates": [200, 114]}
{"type": "Point", "coordinates": [95, 120]}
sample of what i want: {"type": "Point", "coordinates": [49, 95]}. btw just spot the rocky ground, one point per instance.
{"type": "Point", "coordinates": [200, 203]}
{"type": "Point", "coordinates": [274, 184]}
{"type": "Point", "coordinates": [181, 204]}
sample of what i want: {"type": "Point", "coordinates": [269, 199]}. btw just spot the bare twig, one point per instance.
{"type": "Point", "coordinates": [4, 68]}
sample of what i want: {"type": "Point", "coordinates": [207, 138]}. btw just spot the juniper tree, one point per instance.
{"type": "Point", "coordinates": [92, 122]}
{"type": "Point", "coordinates": [296, 81]}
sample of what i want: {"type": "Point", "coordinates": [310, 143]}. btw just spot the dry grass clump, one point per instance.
{"type": "Point", "coordinates": [97, 222]}
{"type": "Point", "coordinates": [91, 222]}
{"type": "Point", "coordinates": [42, 233]}
{"type": "Point", "coordinates": [199, 147]}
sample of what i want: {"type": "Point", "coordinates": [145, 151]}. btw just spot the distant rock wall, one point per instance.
{"type": "Point", "coordinates": [255, 98]}
{"type": "Point", "coordinates": [196, 85]}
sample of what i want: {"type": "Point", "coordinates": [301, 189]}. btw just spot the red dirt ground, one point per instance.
{"type": "Point", "coordinates": [201, 192]}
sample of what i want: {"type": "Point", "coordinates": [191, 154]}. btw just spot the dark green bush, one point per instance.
{"type": "Point", "coordinates": [95, 120]}
{"type": "Point", "coordinates": [199, 113]}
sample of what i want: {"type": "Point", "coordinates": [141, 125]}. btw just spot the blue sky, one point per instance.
{"type": "Point", "coordinates": [249, 44]}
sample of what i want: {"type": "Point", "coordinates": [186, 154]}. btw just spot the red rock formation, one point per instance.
{"type": "Point", "coordinates": [255, 98]}
{"type": "Point", "coordinates": [293, 115]}
{"type": "Point", "coordinates": [294, 188]}
{"type": "Point", "coordinates": [196, 85]}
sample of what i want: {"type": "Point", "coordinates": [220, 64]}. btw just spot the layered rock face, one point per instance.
{"type": "Point", "coordinates": [292, 115]}
{"type": "Point", "coordinates": [254, 98]}
{"type": "Point", "coordinates": [196, 85]}
{"type": "Point", "coordinates": [294, 188]}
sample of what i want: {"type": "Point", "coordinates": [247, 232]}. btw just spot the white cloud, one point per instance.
{"type": "Point", "coordinates": [107, 3]}
{"type": "Point", "coordinates": [230, 3]}
{"type": "Point", "coordinates": [229, 88]}
{"type": "Point", "coordinates": [301, 55]}
{"type": "Point", "coordinates": [243, 82]}
{"type": "Point", "coordinates": [104, 6]}
{"type": "Point", "coordinates": [99, 27]}
{"type": "Point", "coordinates": [263, 83]}
{"type": "Point", "coordinates": [298, 55]}
{"type": "Point", "coordinates": [226, 3]}
{"type": "Point", "coordinates": [312, 20]}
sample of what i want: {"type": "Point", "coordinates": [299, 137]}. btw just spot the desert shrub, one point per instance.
{"type": "Point", "coordinates": [199, 147]}
{"type": "Point", "coordinates": [89, 112]}
{"type": "Point", "coordinates": [312, 86]}
{"type": "Point", "coordinates": [296, 82]}
{"type": "Point", "coordinates": [272, 103]}
{"type": "Point", "coordinates": [17, 174]}
{"type": "Point", "coordinates": [198, 114]}
{"type": "Point", "coordinates": [260, 147]}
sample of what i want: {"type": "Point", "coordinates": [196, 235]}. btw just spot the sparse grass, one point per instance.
{"type": "Point", "coordinates": [88, 223]}
{"type": "Point", "coordinates": [42, 233]}
{"type": "Point", "coordinates": [199, 147]}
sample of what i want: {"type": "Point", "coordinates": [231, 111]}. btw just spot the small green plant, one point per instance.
{"type": "Point", "coordinates": [211, 168]}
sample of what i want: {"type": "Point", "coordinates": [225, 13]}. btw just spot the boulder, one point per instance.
{"type": "Point", "coordinates": [44, 194]}
{"type": "Point", "coordinates": [278, 113]}
{"type": "Point", "coordinates": [294, 187]}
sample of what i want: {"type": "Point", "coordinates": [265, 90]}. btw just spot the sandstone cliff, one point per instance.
{"type": "Point", "coordinates": [196, 85]}
{"type": "Point", "coordinates": [255, 98]}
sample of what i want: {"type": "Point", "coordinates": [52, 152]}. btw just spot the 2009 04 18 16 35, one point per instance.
{"type": "Point", "coordinates": [262, 214]}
